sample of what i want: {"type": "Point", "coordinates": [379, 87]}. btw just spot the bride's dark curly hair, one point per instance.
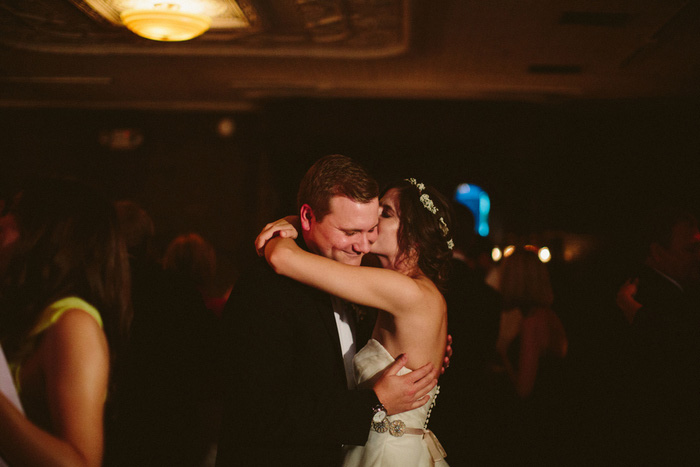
{"type": "Point", "coordinates": [421, 232]}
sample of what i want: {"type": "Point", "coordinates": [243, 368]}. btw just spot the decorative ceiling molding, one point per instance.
{"type": "Point", "coordinates": [291, 28]}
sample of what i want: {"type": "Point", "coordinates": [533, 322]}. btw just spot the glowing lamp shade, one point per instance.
{"type": "Point", "coordinates": [165, 24]}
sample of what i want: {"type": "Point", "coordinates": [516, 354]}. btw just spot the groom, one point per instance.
{"type": "Point", "coordinates": [290, 399]}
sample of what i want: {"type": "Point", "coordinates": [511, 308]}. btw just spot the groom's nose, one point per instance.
{"type": "Point", "coordinates": [365, 242]}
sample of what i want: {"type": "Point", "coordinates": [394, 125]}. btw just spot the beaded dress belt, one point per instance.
{"type": "Point", "coordinates": [398, 428]}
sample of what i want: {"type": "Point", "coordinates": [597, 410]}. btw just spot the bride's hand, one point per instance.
{"type": "Point", "coordinates": [286, 227]}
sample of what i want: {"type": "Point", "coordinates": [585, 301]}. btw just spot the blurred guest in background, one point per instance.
{"type": "Point", "coordinates": [663, 358]}
{"type": "Point", "coordinates": [64, 311]}
{"type": "Point", "coordinates": [531, 347]}
{"type": "Point", "coordinates": [473, 306]}
{"type": "Point", "coordinates": [195, 258]}
{"type": "Point", "coordinates": [463, 418]}
{"type": "Point", "coordinates": [8, 236]}
{"type": "Point", "coordinates": [530, 332]}
{"type": "Point", "coordinates": [7, 388]}
{"type": "Point", "coordinates": [166, 379]}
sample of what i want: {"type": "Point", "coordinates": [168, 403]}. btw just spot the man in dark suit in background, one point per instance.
{"type": "Point", "coordinates": [664, 346]}
{"type": "Point", "coordinates": [288, 348]}
{"type": "Point", "coordinates": [165, 379]}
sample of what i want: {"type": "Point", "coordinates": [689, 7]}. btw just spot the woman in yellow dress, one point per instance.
{"type": "Point", "coordinates": [64, 309]}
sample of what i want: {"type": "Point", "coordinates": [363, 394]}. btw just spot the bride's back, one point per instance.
{"type": "Point", "coordinates": [421, 334]}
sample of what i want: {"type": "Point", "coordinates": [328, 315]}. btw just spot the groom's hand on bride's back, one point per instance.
{"type": "Point", "coordinates": [406, 392]}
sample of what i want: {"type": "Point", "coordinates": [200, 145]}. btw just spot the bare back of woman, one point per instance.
{"type": "Point", "coordinates": [419, 334]}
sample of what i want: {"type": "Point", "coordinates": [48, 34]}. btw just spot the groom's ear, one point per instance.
{"type": "Point", "coordinates": [306, 215]}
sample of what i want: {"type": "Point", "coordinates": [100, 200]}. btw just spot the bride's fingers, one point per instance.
{"type": "Point", "coordinates": [261, 240]}
{"type": "Point", "coordinates": [281, 228]}
{"type": "Point", "coordinates": [289, 232]}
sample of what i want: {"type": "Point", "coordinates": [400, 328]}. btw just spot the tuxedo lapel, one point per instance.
{"type": "Point", "coordinates": [324, 307]}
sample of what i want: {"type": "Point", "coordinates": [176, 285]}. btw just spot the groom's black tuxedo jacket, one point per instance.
{"type": "Point", "coordinates": [287, 401]}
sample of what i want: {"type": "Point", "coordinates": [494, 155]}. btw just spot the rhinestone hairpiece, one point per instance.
{"type": "Point", "coordinates": [430, 206]}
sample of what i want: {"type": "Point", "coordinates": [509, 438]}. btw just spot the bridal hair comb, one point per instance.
{"type": "Point", "coordinates": [430, 206]}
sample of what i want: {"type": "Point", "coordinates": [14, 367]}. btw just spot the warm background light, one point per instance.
{"type": "Point", "coordinates": [166, 22]}
{"type": "Point", "coordinates": [508, 251]}
{"type": "Point", "coordinates": [496, 254]}
{"type": "Point", "coordinates": [174, 20]}
{"type": "Point", "coordinates": [544, 254]}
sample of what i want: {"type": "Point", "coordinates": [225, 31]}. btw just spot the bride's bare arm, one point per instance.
{"type": "Point", "coordinates": [376, 287]}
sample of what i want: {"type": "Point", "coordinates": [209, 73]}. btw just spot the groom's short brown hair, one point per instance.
{"type": "Point", "coordinates": [335, 175]}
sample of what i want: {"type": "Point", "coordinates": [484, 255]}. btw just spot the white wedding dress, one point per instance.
{"type": "Point", "coordinates": [389, 448]}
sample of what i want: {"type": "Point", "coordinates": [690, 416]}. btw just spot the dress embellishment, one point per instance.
{"type": "Point", "coordinates": [396, 441]}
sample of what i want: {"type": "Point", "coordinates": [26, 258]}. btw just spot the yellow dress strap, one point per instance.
{"type": "Point", "coordinates": [53, 313]}
{"type": "Point", "coordinates": [49, 316]}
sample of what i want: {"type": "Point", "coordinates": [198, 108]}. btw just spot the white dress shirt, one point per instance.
{"type": "Point", "coordinates": [346, 331]}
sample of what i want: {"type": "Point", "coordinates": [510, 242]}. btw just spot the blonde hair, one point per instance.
{"type": "Point", "coordinates": [524, 281]}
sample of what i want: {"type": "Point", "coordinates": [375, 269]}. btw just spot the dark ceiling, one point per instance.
{"type": "Point", "coordinates": [54, 54]}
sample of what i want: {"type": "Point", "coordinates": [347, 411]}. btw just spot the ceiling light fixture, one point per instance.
{"type": "Point", "coordinates": [165, 22]}
{"type": "Point", "coordinates": [175, 20]}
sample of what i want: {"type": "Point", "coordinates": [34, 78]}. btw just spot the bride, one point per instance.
{"type": "Point", "coordinates": [413, 247]}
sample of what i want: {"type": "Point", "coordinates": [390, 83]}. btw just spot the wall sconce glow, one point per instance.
{"type": "Point", "coordinates": [544, 254]}
{"type": "Point", "coordinates": [496, 254]}
{"type": "Point", "coordinates": [478, 202]}
{"type": "Point", "coordinates": [509, 250]}
{"type": "Point", "coordinates": [165, 22]}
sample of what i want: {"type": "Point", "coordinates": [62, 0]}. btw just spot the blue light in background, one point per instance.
{"type": "Point", "coordinates": [478, 202]}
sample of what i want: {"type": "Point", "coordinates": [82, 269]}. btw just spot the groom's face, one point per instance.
{"type": "Point", "coordinates": [346, 233]}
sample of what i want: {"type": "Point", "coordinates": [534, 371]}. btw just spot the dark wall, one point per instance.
{"type": "Point", "coordinates": [187, 177]}
{"type": "Point", "coordinates": [574, 166]}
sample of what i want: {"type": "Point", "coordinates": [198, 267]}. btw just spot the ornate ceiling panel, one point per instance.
{"type": "Point", "coordinates": [295, 28]}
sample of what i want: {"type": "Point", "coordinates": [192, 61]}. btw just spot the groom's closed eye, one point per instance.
{"type": "Point", "coordinates": [350, 233]}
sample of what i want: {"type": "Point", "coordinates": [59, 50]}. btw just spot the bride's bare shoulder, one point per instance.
{"type": "Point", "coordinates": [431, 299]}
